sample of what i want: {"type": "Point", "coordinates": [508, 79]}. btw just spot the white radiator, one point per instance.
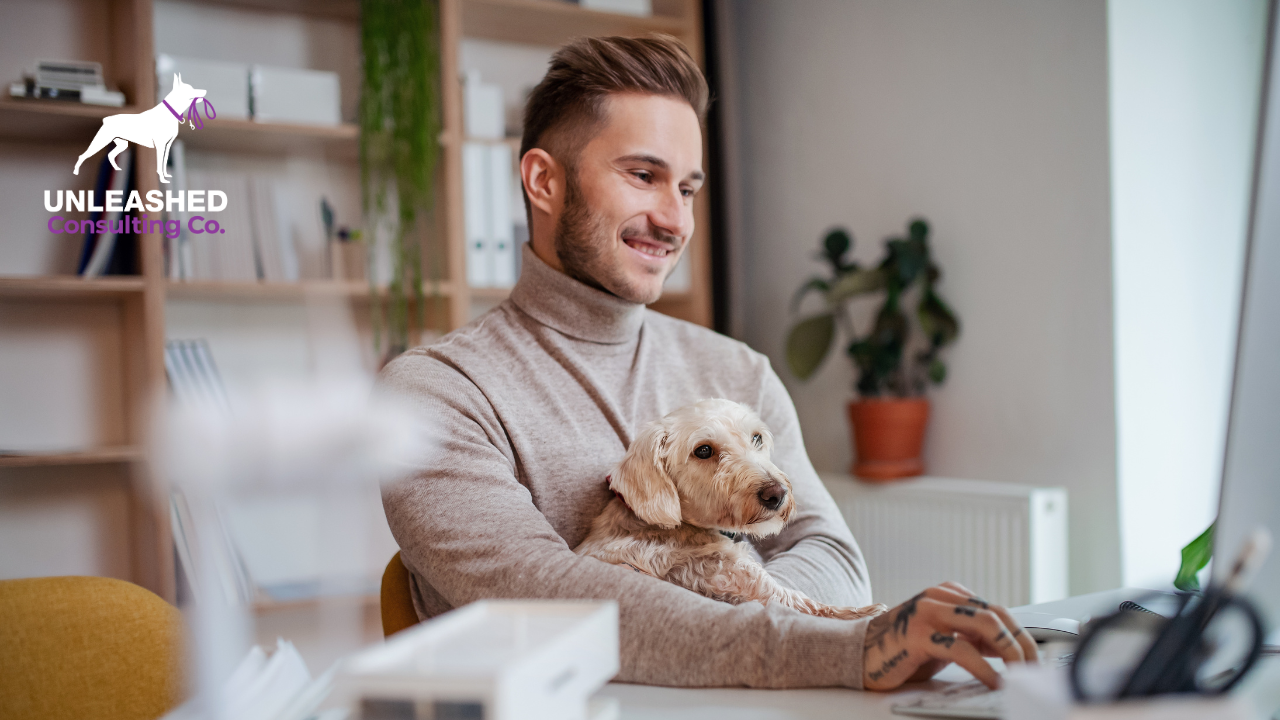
{"type": "Point", "coordinates": [1006, 542]}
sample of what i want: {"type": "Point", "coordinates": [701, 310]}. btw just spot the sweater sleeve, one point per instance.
{"type": "Point", "coordinates": [815, 553]}
{"type": "Point", "coordinates": [468, 530]}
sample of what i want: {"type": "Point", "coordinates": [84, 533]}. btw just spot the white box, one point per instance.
{"type": "Point", "coordinates": [484, 113]}
{"type": "Point", "coordinates": [287, 95]}
{"type": "Point", "coordinates": [641, 8]}
{"type": "Point", "coordinates": [476, 214]}
{"type": "Point", "coordinates": [501, 225]}
{"type": "Point", "coordinates": [226, 84]}
{"type": "Point", "coordinates": [496, 659]}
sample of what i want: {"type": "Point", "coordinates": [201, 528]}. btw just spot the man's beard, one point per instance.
{"type": "Point", "coordinates": [582, 242]}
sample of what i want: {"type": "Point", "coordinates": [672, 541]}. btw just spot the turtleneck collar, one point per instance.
{"type": "Point", "coordinates": [570, 307]}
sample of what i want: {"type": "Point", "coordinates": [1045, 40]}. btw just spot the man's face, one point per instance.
{"type": "Point", "coordinates": [628, 207]}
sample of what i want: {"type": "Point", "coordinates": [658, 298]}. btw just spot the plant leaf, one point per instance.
{"type": "Point", "coordinates": [853, 283]}
{"type": "Point", "coordinates": [835, 245]}
{"type": "Point", "coordinates": [811, 284]}
{"type": "Point", "coordinates": [937, 320]}
{"type": "Point", "coordinates": [808, 343]}
{"type": "Point", "coordinates": [1194, 558]}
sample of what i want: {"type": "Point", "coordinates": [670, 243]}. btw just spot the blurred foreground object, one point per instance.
{"type": "Point", "coordinates": [494, 659]}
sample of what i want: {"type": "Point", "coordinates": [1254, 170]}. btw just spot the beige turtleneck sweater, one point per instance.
{"type": "Point", "coordinates": [535, 402]}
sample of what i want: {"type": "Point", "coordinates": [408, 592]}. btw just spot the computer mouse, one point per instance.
{"type": "Point", "coordinates": [1045, 627]}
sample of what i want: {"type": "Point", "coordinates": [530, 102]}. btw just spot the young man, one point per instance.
{"type": "Point", "coordinates": [538, 399]}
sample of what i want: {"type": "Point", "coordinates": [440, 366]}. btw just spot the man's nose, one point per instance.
{"type": "Point", "coordinates": [672, 216]}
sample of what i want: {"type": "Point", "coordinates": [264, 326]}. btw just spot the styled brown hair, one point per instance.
{"type": "Point", "coordinates": [585, 72]}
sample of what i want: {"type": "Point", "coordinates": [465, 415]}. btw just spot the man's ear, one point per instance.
{"type": "Point", "coordinates": [543, 180]}
{"type": "Point", "coordinates": [642, 481]}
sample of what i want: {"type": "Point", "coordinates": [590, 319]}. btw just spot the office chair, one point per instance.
{"type": "Point", "coordinates": [87, 647]}
{"type": "Point", "coordinates": [397, 603]}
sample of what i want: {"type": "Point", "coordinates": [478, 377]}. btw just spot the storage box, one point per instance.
{"type": "Point", "coordinates": [495, 659]}
{"type": "Point", "coordinates": [226, 84]}
{"type": "Point", "coordinates": [287, 95]}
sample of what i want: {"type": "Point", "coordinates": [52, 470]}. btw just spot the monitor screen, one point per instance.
{"type": "Point", "coordinates": [1251, 475]}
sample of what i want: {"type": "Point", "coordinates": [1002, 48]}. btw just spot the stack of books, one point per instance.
{"type": "Point", "coordinates": [68, 80]}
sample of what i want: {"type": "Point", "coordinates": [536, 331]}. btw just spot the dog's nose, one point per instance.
{"type": "Point", "coordinates": [772, 496]}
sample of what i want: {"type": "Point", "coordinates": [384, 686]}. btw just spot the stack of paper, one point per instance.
{"type": "Point", "coordinates": [262, 688]}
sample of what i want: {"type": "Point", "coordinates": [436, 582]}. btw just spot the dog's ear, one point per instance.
{"type": "Point", "coordinates": [642, 481]}
{"type": "Point", "coordinates": [177, 79]}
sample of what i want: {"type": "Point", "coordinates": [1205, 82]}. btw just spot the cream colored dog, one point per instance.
{"type": "Point", "coordinates": [697, 473]}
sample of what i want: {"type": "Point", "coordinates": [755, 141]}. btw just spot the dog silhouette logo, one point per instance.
{"type": "Point", "coordinates": [155, 128]}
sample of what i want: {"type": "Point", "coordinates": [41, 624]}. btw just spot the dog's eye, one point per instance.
{"type": "Point", "coordinates": [757, 440]}
{"type": "Point", "coordinates": [703, 452]}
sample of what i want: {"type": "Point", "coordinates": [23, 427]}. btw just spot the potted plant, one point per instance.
{"type": "Point", "coordinates": [888, 419]}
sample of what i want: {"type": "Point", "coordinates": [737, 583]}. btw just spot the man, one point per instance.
{"type": "Point", "coordinates": [536, 401]}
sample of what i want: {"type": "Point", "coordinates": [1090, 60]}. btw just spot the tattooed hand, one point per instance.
{"type": "Point", "coordinates": [941, 625]}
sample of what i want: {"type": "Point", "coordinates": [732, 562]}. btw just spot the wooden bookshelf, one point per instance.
{"type": "Point", "coordinates": [96, 456]}
{"type": "Point", "coordinates": [71, 287]}
{"type": "Point", "coordinates": [339, 142]}
{"type": "Point", "coordinates": [254, 291]}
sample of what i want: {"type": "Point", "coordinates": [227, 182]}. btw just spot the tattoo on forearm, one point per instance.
{"type": "Point", "coordinates": [979, 602]}
{"type": "Point", "coordinates": [888, 665]}
{"type": "Point", "coordinates": [963, 610]}
{"type": "Point", "coordinates": [902, 620]}
{"type": "Point", "coordinates": [898, 621]}
{"type": "Point", "coordinates": [940, 639]}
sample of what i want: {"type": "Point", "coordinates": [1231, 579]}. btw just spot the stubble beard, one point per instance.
{"type": "Point", "coordinates": [582, 240]}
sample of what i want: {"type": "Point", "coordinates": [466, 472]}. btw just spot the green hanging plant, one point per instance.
{"type": "Point", "coordinates": [399, 130]}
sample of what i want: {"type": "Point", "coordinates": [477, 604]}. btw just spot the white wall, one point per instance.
{"type": "Point", "coordinates": [989, 117]}
{"type": "Point", "coordinates": [1185, 78]}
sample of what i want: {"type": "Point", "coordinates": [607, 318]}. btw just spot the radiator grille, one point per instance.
{"type": "Point", "coordinates": [1005, 542]}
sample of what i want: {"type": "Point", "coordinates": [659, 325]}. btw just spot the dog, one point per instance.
{"type": "Point", "coordinates": [154, 128]}
{"type": "Point", "coordinates": [687, 480]}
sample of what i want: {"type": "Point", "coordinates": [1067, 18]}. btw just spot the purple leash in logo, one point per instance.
{"type": "Point", "coordinates": [192, 114]}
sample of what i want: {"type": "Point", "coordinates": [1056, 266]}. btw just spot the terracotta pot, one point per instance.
{"type": "Point", "coordinates": [888, 435]}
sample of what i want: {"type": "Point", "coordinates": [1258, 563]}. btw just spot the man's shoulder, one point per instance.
{"type": "Point", "coordinates": [703, 344]}
{"type": "Point", "coordinates": [447, 356]}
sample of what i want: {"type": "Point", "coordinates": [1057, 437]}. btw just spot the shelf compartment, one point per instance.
{"type": "Point", "coordinates": [69, 286]}
{"type": "Point", "coordinates": [96, 456]}
{"type": "Point", "coordinates": [546, 22]}
{"type": "Point", "coordinates": [258, 138]}
{"type": "Point", "coordinates": [53, 120]}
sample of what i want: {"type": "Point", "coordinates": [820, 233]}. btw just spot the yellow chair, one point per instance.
{"type": "Point", "coordinates": [397, 602]}
{"type": "Point", "coordinates": [87, 647]}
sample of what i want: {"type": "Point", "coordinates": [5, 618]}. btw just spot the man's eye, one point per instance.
{"type": "Point", "coordinates": [643, 176]}
{"type": "Point", "coordinates": [703, 452]}
{"type": "Point", "coordinates": [686, 192]}
{"type": "Point", "coordinates": [757, 440]}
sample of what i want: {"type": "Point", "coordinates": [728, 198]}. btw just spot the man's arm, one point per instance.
{"type": "Point", "coordinates": [815, 553]}
{"type": "Point", "coordinates": [471, 531]}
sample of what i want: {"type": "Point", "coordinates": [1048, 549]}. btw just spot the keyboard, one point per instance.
{"type": "Point", "coordinates": [962, 700]}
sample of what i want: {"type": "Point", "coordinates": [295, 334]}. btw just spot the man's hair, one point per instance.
{"type": "Point", "coordinates": [569, 102]}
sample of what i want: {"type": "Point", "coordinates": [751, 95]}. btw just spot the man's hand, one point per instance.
{"type": "Point", "coordinates": [941, 625]}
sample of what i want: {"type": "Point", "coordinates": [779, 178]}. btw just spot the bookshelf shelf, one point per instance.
{"type": "Point", "coordinates": [53, 120]}
{"type": "Point", "coordinates": [70, 286]}
{"type": "Point", "coordinates": [264, 605]}
{"type": "Point", "coordinates": [546, 22]}
{"type": "Point", "coordinates": [246, 136]}
{"type": "Point", "coordinates": [252, 291]}
{"type": "Point", "coordinates": [96, 456]}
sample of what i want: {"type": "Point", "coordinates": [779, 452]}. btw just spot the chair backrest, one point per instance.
{"type": "Point", "coordinates": [87, 647]}
{"type": "Point", "coordinates": [397, 602]}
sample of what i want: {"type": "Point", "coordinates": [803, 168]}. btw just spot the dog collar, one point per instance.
{"type": "Point", "coordinates": [608, 482]}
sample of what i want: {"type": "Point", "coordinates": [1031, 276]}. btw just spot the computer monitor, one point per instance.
{"type": "Point", "coordinates": [1251, 466]}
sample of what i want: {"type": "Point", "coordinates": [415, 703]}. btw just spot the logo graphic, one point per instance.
{"type": "Point", "coordinates": [155, 128]}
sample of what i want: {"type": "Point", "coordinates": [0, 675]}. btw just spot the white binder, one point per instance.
{"type": "Point", "coordinates": [476, 214]}
{"type": "Point", "coordinates": [501, 223]}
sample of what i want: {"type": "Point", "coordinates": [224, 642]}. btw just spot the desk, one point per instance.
{"type": "Point", "coordinates": [642, 702]}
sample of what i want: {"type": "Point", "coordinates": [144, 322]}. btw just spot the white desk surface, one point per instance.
{"type": "Point", "coordinates": [642, 702]}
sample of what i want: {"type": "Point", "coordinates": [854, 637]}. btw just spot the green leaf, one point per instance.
{"type": "Point", "coordinates": [857, 282]}
{"type": "Point", "coordinates": [937, 320]}
{"type": "Point", "coordinates": [811, 284]}
{"type": "Point", "coordinates": [918, 229]}
{"type": "Point", "coordinates": [808, 343]}
{"type": "Point", "coordinates": [937, 372]}
{"type": "Point", "coordinates": [1195, 556]}
{"type": "Point", "coordinates": [835, 245]}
